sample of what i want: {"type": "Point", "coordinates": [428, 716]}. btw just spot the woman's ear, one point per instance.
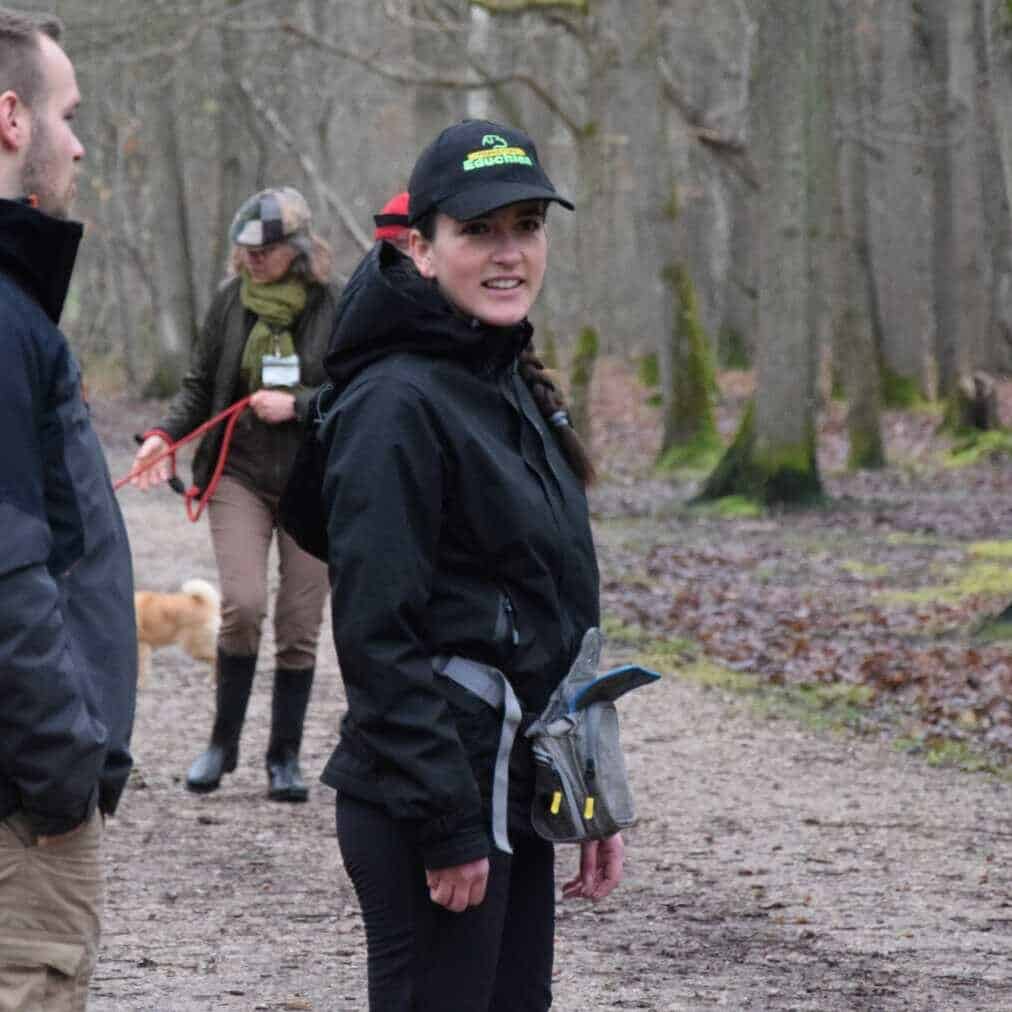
{"type": "Point", "coordinates": [420, 250]}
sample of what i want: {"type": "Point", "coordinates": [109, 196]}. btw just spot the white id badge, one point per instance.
{"type": "Point", "coordinates": [279, 371]}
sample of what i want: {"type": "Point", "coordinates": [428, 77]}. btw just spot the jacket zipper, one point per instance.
{"type": "Point", "coordinates": [511, 618]}
{"type": "Point", "coordinates": [557, 508]}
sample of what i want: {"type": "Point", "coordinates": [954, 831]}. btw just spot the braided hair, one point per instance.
{"type": "Point", "coordinates": [552, 406]}
{"type": "Point", "coordinates": [545, 391]}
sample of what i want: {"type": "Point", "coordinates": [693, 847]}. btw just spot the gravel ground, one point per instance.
{"type": "Point", "coordinates": [772, 869]}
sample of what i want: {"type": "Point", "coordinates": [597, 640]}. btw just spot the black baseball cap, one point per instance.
{"type": "Point", "coordinates": [474, 167]}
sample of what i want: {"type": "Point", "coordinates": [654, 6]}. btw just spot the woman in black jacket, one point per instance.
{"type": "Point", "coordinates": [457, 527]}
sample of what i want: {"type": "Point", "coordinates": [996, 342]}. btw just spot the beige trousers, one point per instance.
{"type": "Point", "coordinates": [50, 911]}
{"type": "Point", "coordinates": [243, 523]}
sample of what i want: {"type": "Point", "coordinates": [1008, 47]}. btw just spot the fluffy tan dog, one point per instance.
{"type": "Point", "coordinates": [190, 617]}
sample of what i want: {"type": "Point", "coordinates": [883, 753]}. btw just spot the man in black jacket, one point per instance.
{"type": "Point", "coordinates": [68, 654]}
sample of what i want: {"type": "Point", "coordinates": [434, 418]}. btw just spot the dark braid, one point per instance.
{"type": "Point", "coordinates": [552, 405]}
{"type": "Point", "coordinates": [546, 394]}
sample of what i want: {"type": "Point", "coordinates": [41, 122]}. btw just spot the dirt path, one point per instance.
{"type": "Point", "coordinates": [773, 869]}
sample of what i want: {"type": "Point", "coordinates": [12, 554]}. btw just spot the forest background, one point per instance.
{"type": "Point", "coordinates": [792, 249]}
{"type": "Point", "coordinates": [817, 190]}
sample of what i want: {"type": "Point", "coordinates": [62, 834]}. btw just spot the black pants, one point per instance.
{"type": "Point", "coordinates": [496, 957]}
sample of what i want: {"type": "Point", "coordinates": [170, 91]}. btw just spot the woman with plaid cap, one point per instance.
{"type": "Point", "coordinates": [457, 528]}
{"type": "Point", "coordinates": [265, 335]}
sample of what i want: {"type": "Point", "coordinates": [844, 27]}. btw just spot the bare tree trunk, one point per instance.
{"type": "Point", "coordinates": [853, 312]}
{"type": "Point", "coordinates": [774, 454]}
{"type": "Point", "coordinates": [177, 322]}
{"type": "Point", "coordinates": [738, 333]}
{"type": "Point", "coordinates": [956, 189]}
{"type": "Point", "coordinates": [243, 155]}
{"type": "Point", "coordinates": [785, 401]}
{"type": "Point", "coordinates": [901, 225]}
{"type": "Point", "coordinates": [996, 135]}
{"type": "Point", "coordinates": [999, 46]}
{"type": "Point", "coordinates": [650, 216]}
{"type": "Point", "coordinates": [436, 108]}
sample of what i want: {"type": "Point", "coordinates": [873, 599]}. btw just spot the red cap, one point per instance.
{"type": "Point", "coordinates": [392, 221]}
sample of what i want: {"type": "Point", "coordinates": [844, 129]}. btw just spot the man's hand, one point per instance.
{"type": "Point", "coordinates": [273, 406]}
{"type": "Point", "coordinates": [459, 887]}
{"type": "Point", "coordinates": [600, 869]}
{"type": "Point", "coordinates": [150, 448]}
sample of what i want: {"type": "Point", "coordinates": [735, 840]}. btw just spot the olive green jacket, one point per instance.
{"type": "Point", "coordinates": [212, 382]}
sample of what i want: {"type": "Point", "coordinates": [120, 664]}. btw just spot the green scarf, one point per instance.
{"type": "Point", "coordinates": [277, 306]}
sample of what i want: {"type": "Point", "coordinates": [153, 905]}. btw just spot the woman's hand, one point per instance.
{"type": "Point", "coordinates": [273, 406]}
{"type": "Point", "coordinates": [600, 869]}
{"type": "Point", "coordinates": [459, 887]}
{"type": "Point", "coordinates": [150, 448]}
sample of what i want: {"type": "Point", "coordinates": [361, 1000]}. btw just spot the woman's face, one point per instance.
{"type": "Point", "coordinates": [267, 264]}
{"type": "Point", "coordinates": [490, 268]}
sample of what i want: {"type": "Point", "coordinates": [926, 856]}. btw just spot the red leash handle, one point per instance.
{"type": "Point", "coordinates": [232, 413]}
{"type": "Point", "coordinates": [193, 494]}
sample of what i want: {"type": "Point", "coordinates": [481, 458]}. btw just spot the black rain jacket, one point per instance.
{"type": "Point", "coordinates": [68, 647]}
{"type": "Point", "coordinates": [455, 526]}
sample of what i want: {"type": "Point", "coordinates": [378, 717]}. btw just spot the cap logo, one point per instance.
{"type": "Point", "coordinates": [495, 151]}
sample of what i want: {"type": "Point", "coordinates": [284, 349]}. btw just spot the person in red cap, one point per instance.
{"type": "Point", "coordinates": [392, 222]}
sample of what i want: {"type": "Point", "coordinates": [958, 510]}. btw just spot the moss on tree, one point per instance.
{"type": "Point", "coordinates": [866, 449]}
{"type": "Point", "coordinates": [648, 371]}
{"type": "Point", "coordinates": [690, 422]}
{"type": "Point", "coordinates": [549, 351]}
{"type": "Point", "coordinates": [580, 376]}
{"type": "Point", "coordinates": [773, 475]}
{"type": "Point", "coordinates": [734, 352]}
{"type": "Point", "coordinates": [899, 391]}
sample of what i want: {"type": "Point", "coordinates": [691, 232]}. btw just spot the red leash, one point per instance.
{"type": "Point", "coordinates": [193, 493]}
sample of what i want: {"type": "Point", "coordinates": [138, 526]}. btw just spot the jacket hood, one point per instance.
{"type": "Point", "coordinates": [38, 251]}
{"type": "Point", "coordinates": [387, 307]}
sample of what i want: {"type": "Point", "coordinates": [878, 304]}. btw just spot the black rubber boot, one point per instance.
{"type": "Point", "coordinates": [234, 682]}
{"type": "Point", "coordinates": [288, 713]}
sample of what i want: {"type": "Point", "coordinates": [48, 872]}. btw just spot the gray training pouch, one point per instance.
{"type": "Point", "coordinates": [582, 790]}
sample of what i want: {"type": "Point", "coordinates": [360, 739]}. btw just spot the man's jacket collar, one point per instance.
{"type": "Point", "coordinates": [38, 251]}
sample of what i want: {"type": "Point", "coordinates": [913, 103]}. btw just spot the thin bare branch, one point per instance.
{"type": "Point", "coordinates": [476, 63]}
{"type": "Point", "coordinates": [270, 114]}
{"type": "Point", "coordinates": [181, 43]}
{"type": "Point", "coordinates": [526, 6]}
{"type": "Point", "coordinates": [733, 152]}
{"type": "Point", "coordinates": [437, 81]}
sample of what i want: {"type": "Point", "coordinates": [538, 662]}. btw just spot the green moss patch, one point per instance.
{"type": "Point", "coordinates": [701, 453]}
{"type": "Point", "coordinates": [900, 391]}
{"type": "Point", "coordinates": [729, 507]}
{"type": "Point", "coordinates": [991, 549]}
{"type": "Point", "coordinates": [820, 707]}
{"type": "Point", "coordinates": [875, 571]}
{"type": "Point", "coordinates": [988, 575]}
{"type": "Point", "coordinates": [971, 448]}
{"type": "Point", "coordinates": [945, 753]}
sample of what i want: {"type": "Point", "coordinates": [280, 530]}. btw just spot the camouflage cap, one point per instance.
{"type": "Point", "coordinates": [270, 216]}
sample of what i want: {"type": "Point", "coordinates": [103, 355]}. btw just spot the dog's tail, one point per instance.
{"type": "Point", "coordinates": [202, 591]}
